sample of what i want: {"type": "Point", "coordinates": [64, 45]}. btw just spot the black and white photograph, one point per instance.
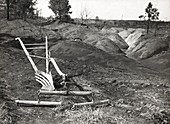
{"type": "Point", "coordinates": [84, 61]}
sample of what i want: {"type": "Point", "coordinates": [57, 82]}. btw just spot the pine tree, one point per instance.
{"type": "Point", "coordinates": [151, 14]}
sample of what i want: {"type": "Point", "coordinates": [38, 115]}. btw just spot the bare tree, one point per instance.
{"type": "Point", "coordinates": [85, 15]}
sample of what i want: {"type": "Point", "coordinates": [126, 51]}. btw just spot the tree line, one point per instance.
{"type": "Point", "coordinates": [22, 9]}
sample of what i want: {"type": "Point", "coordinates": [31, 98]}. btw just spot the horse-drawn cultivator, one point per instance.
{"type": "Point", "coordinates": [46, 79]}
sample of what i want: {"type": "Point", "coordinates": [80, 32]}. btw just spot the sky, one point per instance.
{"type": "Point", "coordinates": [111, 9]}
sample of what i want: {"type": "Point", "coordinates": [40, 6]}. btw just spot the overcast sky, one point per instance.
{"type": "Point", "coordinates": [111, 9]}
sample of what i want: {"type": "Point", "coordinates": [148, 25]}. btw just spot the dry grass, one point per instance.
{"type": "Point", "coordinates": [88, 115]}
{"type": "Point", "coordinates": [4, 118]}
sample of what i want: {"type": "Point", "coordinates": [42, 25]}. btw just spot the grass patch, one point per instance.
{"type": "Point", "coordinates": [88, 115]}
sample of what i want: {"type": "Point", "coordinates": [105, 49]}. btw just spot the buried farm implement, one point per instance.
{"type": "Point", "coordinates": [48, 82]}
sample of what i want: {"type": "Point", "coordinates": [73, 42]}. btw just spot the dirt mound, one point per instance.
{"type": "Point", "coordinates": [106, 30]}
{"type": "Point", "coordinates": [110, 43]}
{"type": "Point", "coordinates": [132, 34]}
{"type": "Point", "coordinates": [141, 30]}
{"type": "Point", "coordinates": [133, 39]}
{"type": "Point", "coordinates": [71, 31]}
{"type": "Point", "coordinates": [124, 34]}
{"type": "Point", "coordinates": [131, 30]}
{"type": "Point", "coordinates": [87, 53]}
{"type": "Point", "coordinates": [149, 47]}
{"type": "Point", "coordinates": [75, 32]}
{"type": "Point", "coordinates": [20, 28]}
{"type": "Point", "coordinates": [108, 46]}
{"type": "Point", "coordinates": [106, 43]}
{"type": "Point", "coordinates": [70, 49]}
{"type": "Point", "coordinates": [78, 51]}
{"type": "Point", "coordinates": [160, 62]}
{"type": "Point", "coordinates": [54, 25]}
{"type": "Point", "coordinates": [111, 33]}
{"type": "Point", "coordinates": [118, 41]}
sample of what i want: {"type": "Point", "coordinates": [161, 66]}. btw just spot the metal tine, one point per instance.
{"type": "Point", "coordinates": [42, 82]}
{"type": "Point", "coordinates": [42, 78]}
{"type": "Point", "coordinates": [30, 48]}
{"type": "Point", "coordinates": [35, 44]}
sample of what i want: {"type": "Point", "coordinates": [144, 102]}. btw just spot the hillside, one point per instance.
{"type": "Point", "coordinates": [138, 92]}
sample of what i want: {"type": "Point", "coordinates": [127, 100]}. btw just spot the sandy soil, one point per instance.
{"type": "Point", "coordinates": [138, 94]}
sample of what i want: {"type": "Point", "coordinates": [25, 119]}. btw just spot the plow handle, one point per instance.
{"type": "Point", "coordinates": [27, 54]}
